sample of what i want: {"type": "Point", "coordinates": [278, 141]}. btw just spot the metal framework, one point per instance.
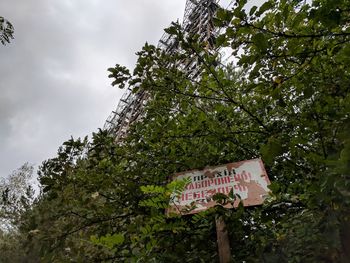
{"type": "Point", "coordinates": [198, 20]}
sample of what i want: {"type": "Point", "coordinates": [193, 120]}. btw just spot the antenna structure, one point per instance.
{"type": "Point", "coordinates": [197, 20]}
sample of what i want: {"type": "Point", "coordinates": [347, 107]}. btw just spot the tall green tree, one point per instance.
{"type": "Point", "coordinates": [287, 101]}
{"type": "Point", "coordinates": [16, 197]}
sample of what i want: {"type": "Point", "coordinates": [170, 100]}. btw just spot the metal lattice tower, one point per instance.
{"type": "Point", "coordinates": [198, 20]}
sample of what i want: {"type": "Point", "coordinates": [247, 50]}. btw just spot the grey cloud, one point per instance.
{"type": "Point", "coordinates": [53, 79]}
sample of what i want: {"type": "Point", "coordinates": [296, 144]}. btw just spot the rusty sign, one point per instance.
{"type": "Point", "coordinates": [247, 180]}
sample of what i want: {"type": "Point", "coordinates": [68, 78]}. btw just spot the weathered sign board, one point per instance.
{"type": "Point", "coordinates": [247, 179]}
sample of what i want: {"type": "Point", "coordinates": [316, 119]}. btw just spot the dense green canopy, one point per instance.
{"type": "Point", "coordinates": [287, 101]}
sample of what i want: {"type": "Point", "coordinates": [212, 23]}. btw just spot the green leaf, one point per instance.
{"type": "Point", "coordinates": [220, 40]}
{"type": "Point", "coordinates": [109, 241]}
{"type": "Point", "coordinates": [252, 10]}
{"type": "Point", "coordinates": [274, 187]}
{"type": "Point", "coordinates": [271, 149]}
{"type": "Point", "coordinates": [260, 41]}
{"type": "Point", "coordinates": [264, 7]}
{"type": "Point", "coordinates": [171, 30]}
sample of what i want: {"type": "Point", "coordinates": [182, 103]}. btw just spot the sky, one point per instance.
{"type": "Point", "coordinates": [53, 76]}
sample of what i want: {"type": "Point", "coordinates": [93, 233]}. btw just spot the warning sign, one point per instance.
{"type": "Point", "coordinates": [246, 180]}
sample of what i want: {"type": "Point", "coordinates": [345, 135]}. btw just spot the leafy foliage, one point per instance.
{"type": "Point", "coordinates": [287, 102]}
{"type": "Point", "coordinates": [16, 197]}
{"type": "Point", "coordinates": [6, 31]}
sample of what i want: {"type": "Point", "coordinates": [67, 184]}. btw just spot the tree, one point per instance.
{"type": "Point", "coordinates": [17, 196]}
{"type": "Point", "coordinates": [6, 31]}
{"type": "Point", "coordinates": [289, 106]}
{"type": "Point", "coordinates": [287, 102]}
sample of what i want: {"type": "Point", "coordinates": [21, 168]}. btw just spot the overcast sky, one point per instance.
{"type": "Point", "coordinates": [53, 75]}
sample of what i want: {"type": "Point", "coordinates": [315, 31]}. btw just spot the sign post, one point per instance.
{"type": "Point", "coordinates": [246, 180]}
{"type": "Point", "coordinates": [223, 241]}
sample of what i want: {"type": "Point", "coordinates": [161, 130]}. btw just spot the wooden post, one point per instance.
{"type": "Point", "coordinates": [345, 238]}
{"type": "Point", "coordinates": [223, 241]}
